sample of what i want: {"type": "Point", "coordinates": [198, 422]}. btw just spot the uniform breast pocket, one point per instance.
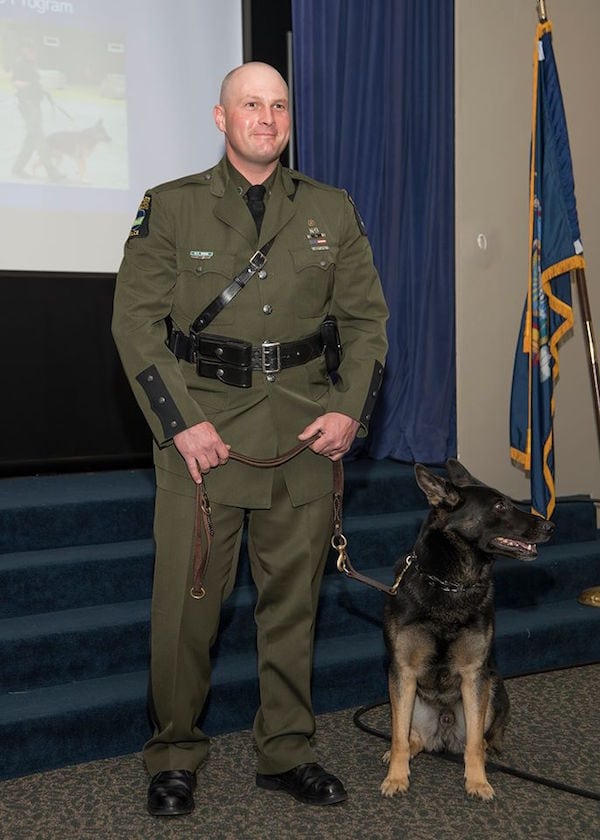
{"type": "Point", "coordinates": [313, 277]}
{"type": "Point", "coordinates": [201, 277]}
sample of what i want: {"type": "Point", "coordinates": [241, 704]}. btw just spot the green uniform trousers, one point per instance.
{"type": "Point", "coordinates": [288, 548]}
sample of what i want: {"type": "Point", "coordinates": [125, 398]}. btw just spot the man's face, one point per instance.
{"type": "Point", "coordinates": [254, 117]}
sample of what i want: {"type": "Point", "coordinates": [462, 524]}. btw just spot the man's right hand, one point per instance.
{"type": "Point", "coordinates": [201, 447]}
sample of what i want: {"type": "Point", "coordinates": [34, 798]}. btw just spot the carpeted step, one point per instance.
{"type": "Point", "coordinates": [558, 573]}
{"type": "Point", "coordinates": [541, 638]}
{"type": "Point", "coordinates": [65, 510]}
{"type": "Point", "coordinates": [82, 721]}
{"type": "Point", "coordinates": [84, 575]}
{"type": "Point", "coordinates": [67, 724]}
{"type": "Point", "coordinates": [77, 576]}
{"type": "Point", "coordinates": [76, 560]}
{"type": "Point", "coordinates": [70, 645]}
{"type": "Point", "coordinates": [46, 512]}
{"type": "Point", "coordinates": [528, 640]}
{"type": "Point", "coordinates": [95, 641]}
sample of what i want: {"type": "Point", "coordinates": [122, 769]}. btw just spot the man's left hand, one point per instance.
{"type": "Point", "coordinates": [337, 431]}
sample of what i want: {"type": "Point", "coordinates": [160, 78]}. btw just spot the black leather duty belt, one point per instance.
{"type": "Point", "coordinates": [232, 361]}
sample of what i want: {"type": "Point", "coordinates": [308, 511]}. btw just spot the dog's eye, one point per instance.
{"type": "Point", "coordinates": [500, 506]}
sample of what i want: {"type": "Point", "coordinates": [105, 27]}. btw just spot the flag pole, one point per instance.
{"type": "Point", "coordinates": [591, 596]}
{"type": "Point", "coordinates": [586, 316]}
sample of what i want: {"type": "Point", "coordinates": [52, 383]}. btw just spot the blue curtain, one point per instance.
{"type": "Point", "coordinates": [374, 110]}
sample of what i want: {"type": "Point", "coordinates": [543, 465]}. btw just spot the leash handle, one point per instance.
{"type": "Point", "coordinates": [274, 462]}
{"type": "Point", "coordinates": [204, 527]}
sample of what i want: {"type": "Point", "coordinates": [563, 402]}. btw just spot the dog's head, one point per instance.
{"type": "Point", "coordinates": [99, 133]}
{"type": "Point", "coordinates": [481, 515]}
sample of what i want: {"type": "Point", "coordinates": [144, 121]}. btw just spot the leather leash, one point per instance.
{"type": "Point", "coordinates": [204, 530]}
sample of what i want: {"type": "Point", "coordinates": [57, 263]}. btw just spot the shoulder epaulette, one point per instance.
{"type": "Point", "coordinates": [198, 178]}
{"type": "Point", "coordinates": [300, 176]}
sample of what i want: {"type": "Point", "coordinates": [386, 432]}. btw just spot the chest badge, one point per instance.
{"type": "Point", "coordinates": [316, 238]}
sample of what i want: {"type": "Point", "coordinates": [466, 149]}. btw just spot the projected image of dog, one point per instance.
{"type": "Point", "coordinates": [70, 151]}
{"type": "Point", "coordinates": [445, 692]}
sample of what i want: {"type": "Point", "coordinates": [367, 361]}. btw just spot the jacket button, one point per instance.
{"type": "Point", "coordinates": [173, 424]}
{"type": "Point", "coordinates": [161, 400]}
{"type": "Point", "coordinates": [198, 269]}
{"type": "Point", "coordinates": [271, 377]}
{"type": "Point", "coordinates": [262, 274]}
{"type": "Point", "coordinates": [267, 308]}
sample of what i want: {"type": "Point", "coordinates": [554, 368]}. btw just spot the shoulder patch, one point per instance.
{"type": "Point", "coordinates": [359, 221]}
{"type": "Point", "coordinates": [141, 225]}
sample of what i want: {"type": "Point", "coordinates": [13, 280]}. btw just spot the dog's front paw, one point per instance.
{"type": "Point", "coordinates": [480, 790]}
{"type": "Point", "coordinates": [394, 784]}
{"type": "Point", "coordinates": [385, 758]}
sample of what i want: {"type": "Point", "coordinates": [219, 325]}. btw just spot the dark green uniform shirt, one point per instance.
{"type": "Point", "coordinates": [191, 237]}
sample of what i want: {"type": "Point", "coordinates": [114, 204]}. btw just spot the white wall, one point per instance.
{"type": "Point", "coordinates": [494, 55]}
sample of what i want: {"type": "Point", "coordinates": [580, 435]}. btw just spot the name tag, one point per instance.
{"type": "Point", "coordinates": [201, 255]}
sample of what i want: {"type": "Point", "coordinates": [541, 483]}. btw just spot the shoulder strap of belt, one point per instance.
{"type": "Point", "coordinates": [257, 260]}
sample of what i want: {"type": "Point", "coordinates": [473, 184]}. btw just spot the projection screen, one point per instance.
{"type": "Point", "coordinates": [99, 100]}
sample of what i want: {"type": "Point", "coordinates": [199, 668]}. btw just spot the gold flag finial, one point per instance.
{"type": "Point", "coordinates": [541, 10]}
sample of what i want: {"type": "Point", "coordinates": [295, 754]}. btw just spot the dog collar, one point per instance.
{"type": "Point", "coordinates": [438, 583]}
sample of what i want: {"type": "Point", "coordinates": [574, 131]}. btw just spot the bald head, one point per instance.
{"type": "Point", "coordinates": [253, 114]}
{"type": "Point", "coordinates": [249, 70]}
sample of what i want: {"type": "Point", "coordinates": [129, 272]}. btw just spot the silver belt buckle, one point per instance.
{"type": "Point", "coordinates": [271, 356]}
{"type": "Point", "coordinates": [257, 260]}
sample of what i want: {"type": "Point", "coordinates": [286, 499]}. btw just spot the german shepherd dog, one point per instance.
{"type": "Point", "coordinates": [445, 693]}
{"type": "Point", "coordinates": [76, 146]}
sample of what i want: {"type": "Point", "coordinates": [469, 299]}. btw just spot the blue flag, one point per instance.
{"type": "Point", "coordinates": [555, 250]}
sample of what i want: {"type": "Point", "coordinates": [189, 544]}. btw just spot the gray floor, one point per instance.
{"type": "Point", "coordinates": [554, 733]}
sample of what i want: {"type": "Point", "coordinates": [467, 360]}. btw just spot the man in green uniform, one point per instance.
{"type": "Point", "coordinates": [190, 238]}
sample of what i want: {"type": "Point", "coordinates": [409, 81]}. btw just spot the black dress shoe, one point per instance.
{"type": "Point", "coordinates": [171, 793]}
{"type": "Point", "coordinates": [307, 783]}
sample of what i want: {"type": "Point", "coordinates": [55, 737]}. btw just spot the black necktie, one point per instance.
{"type": "Point", "coordinates": [256, 204]}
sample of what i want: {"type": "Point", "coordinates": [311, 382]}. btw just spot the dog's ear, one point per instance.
{"type": "Point", "coordinates": [459, 475]}
{"type": "Point", "coordinates": [438, 490]}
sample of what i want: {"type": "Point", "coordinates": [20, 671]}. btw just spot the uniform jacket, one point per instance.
{"type": "Point", "coordinates": [191, 237]}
